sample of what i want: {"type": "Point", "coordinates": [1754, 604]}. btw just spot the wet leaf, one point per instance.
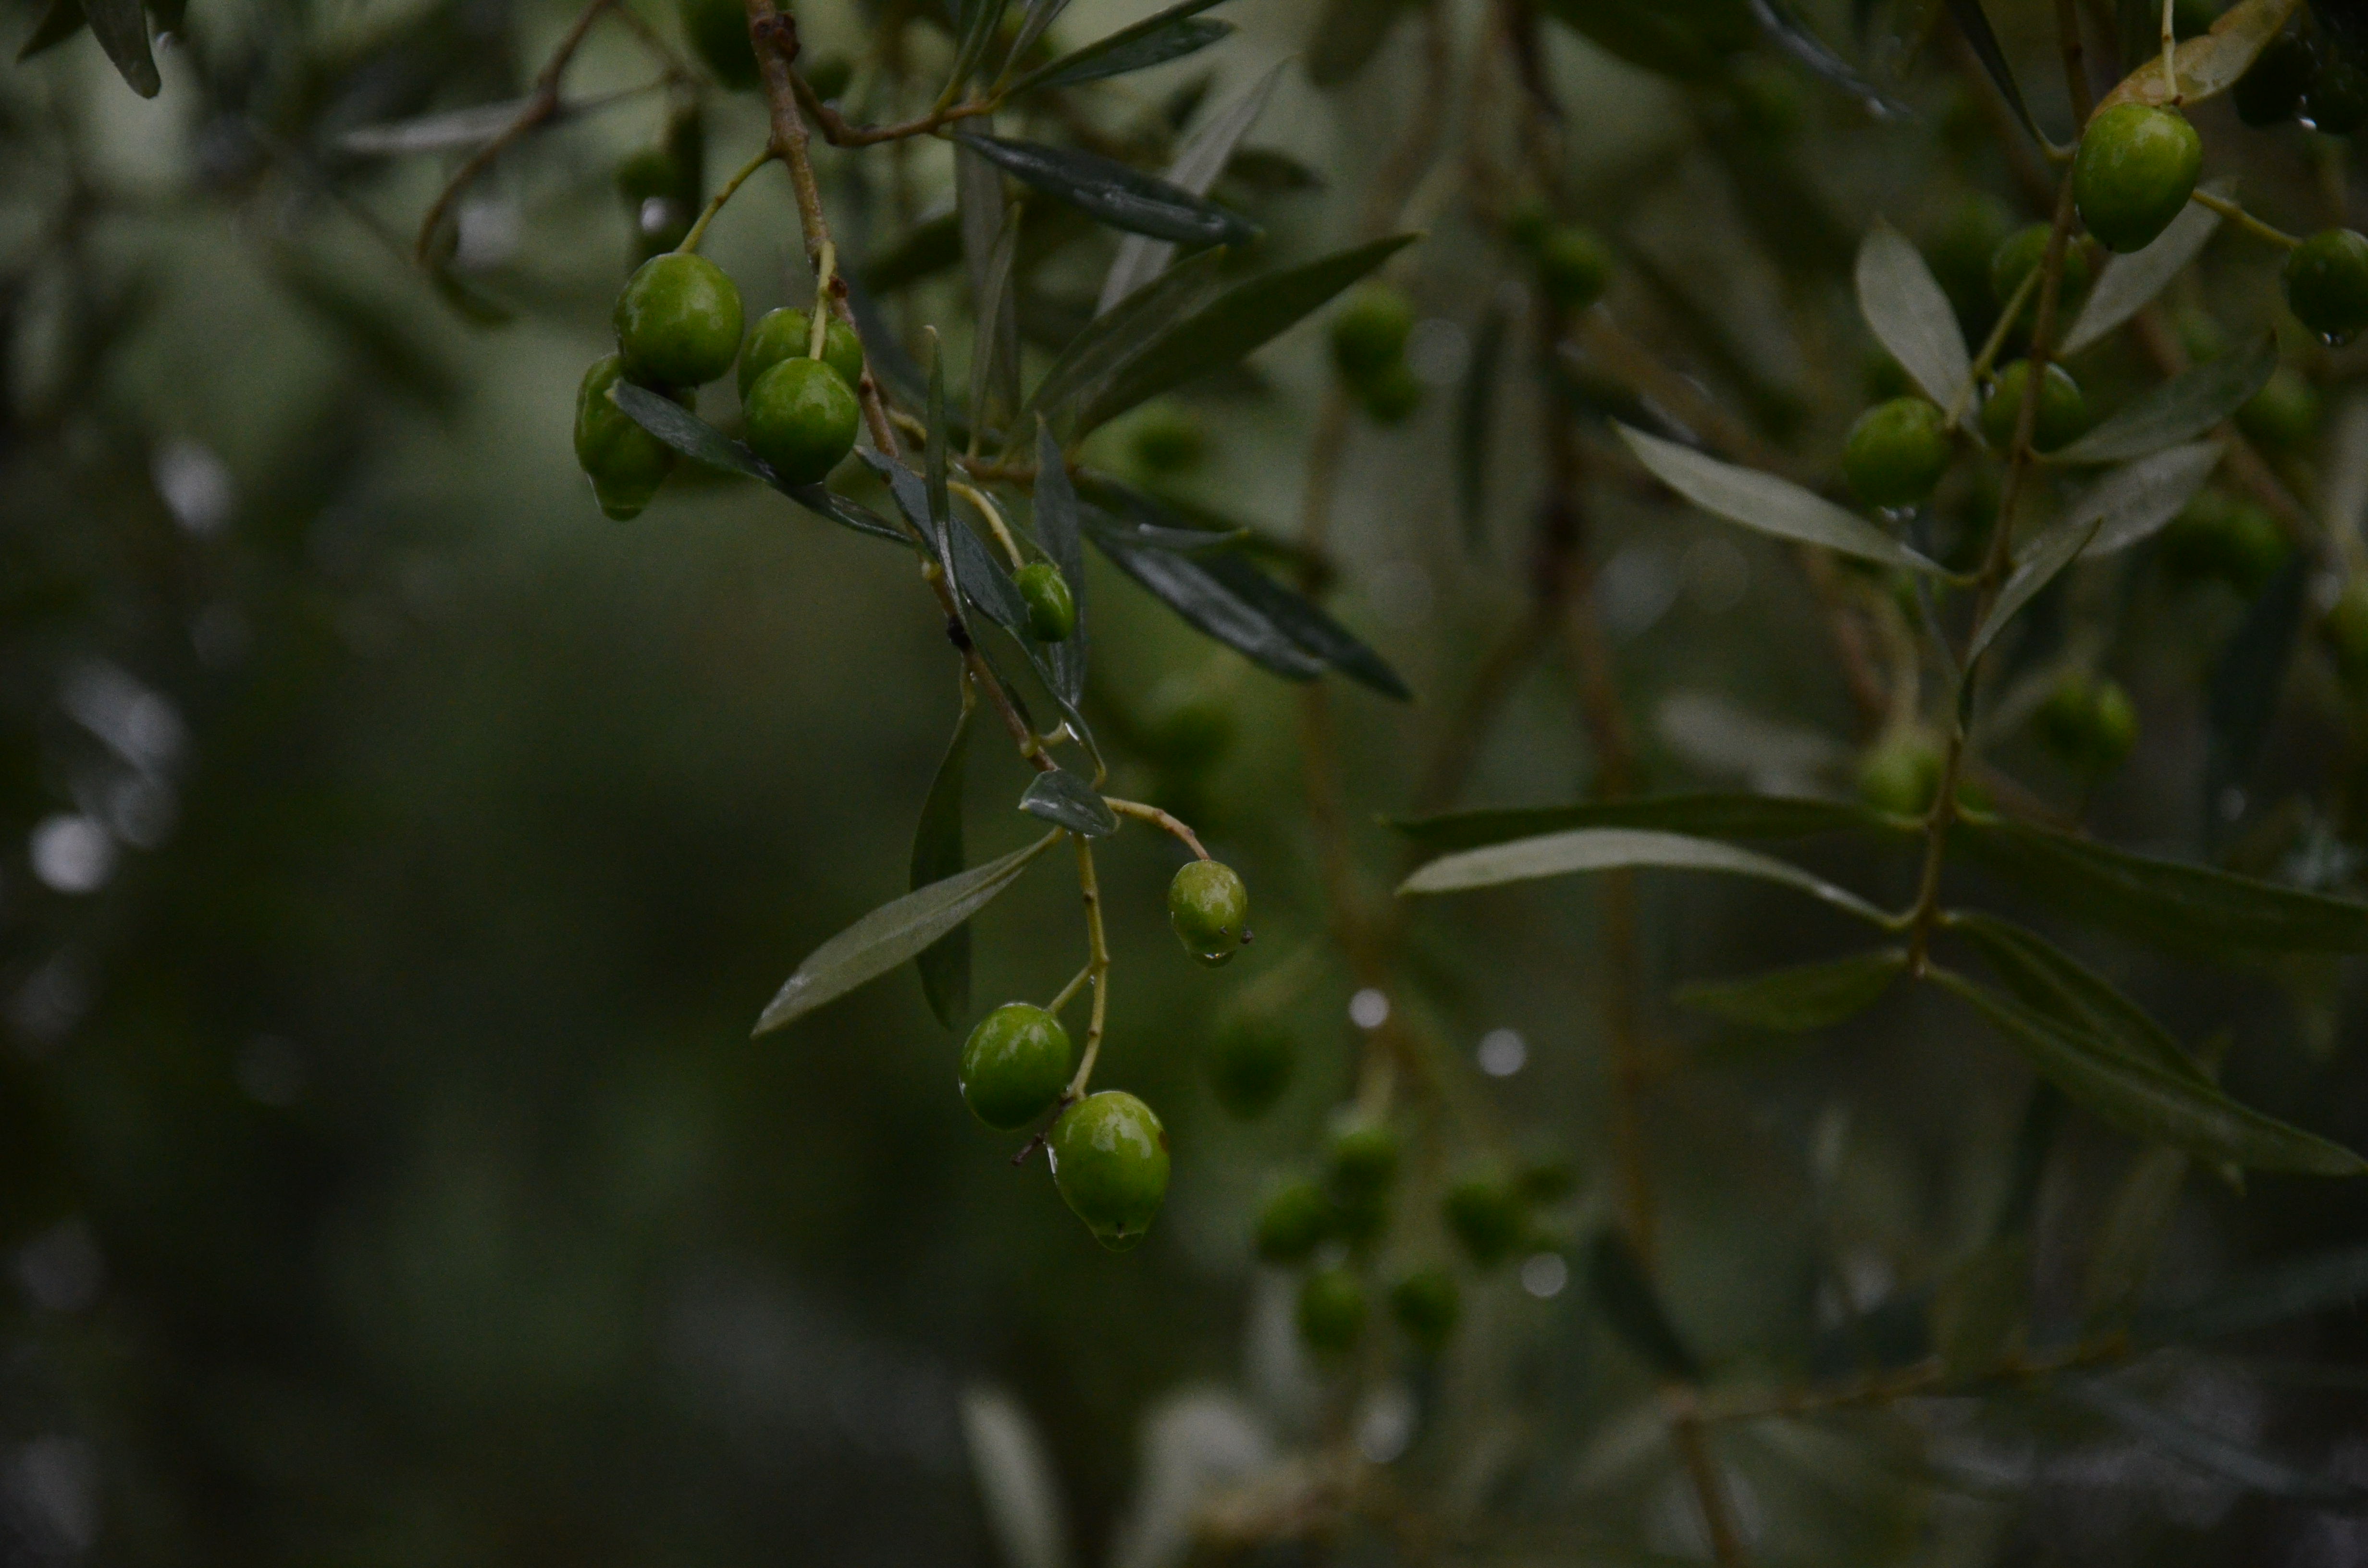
{"type": "Point", "coordinates": [1057, 530]}
{"type": "Point", "coordinates": [1114, 338]}
{"type": "Point", "coordinates": [121, 28]}
{"type": "Point", "coordinates": [2150, 1103]}
{"type": "Point", "coordinates": [2135, 502]}
{"type": "Point", "coordinates": [1703, 816]}
{"type": "Point", "coordinates": [1127, 44]}
{"type": "Point", "coordinates": [980, 21]}
{"type": "Point", "coordinates": [1196, 168]}
{"type": "Point", "coordinates": [1799, 1000]}
{"type": "Point", "coordinates": [938, 853]}
{"type": "Point", "coordinates": [1613, 848]}
{"type": "Point", "coordinates": [1975, 23]}
{"type": "Point", "coordinates": [2181, 409]}
{"type": "Point", "coordinates": [1304, 623]}
{"type": "Point", "coordinates": [1909, 315]}
{"type": "Point", "coordinates": [1768, 505]}
{"type": "Point", "coordinates": [1184, 585]}
{"type": "Point", "coordinates": [1786, 28]}
{"type": "Point", "coordinates": [1066, 801]}
{"type": "Point", "coordinates": [893, 933]}
{"type": "Point", "coordinates": [1242, 319]}
{"type": "Point", "coordinates": [1633, 1307]}
{"type": "Point", "coordinates": [2054, 983]}
{"type": "Point", "coordinates": [2209, 66]}
{"type": "Point", "coordinates": [2129, 283]}
{"type": "Point", "coordinates": [2246, 681]}
{"type": "Point", "coordinates": [1113, 193]}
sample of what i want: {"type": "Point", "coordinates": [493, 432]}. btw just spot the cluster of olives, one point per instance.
{"type": "Point", "coordinates": [2088, 723]}
{"type": "Point", "coordinates": [678, 326]}
{"type": "Point", "coordinates": [1369, 344]}
{"type": "Point", "coordinates": [1329, 1226]}
{"type": "Point", "coordinates": [1573, 267]}
{"type": "Point", "coordinates": [1109, 1150]}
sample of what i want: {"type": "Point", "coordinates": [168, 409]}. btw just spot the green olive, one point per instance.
{"type": "Point", "coordinates": [1168, 440]}
{"type": "Point", "coordinates": [2063, 415]}
{"type": "Point", "coordinates": [1572, 267]}
{"type": "Point", "coordinates": [2088, 724]}
{"type": "Point", "coordinates": [1110, 1160]}
{"type": "Point", "coordinates": [2284, 416]}
{"type": "Point", "coordinates": [2327, 284]}
{"type": "Point", "coordinates": [678, 321]}
{"type": "Point", "coordinates": [1900, 774]}
{"type": "Point", "coordinates": [1369, 336]}
{"type": "Point", "coordinates": [1897, 452]}
{"type": "Point", "coordinates": [1014, 1065]}
{"type": "Point", "coordinates": [1295, 1219]}
{"type": "Point", "coordinates": [2019, 255]}
{"type": "Point", "coordinates": [1210, 909]}
{"type": "Point", "coordinates": [787, 334]}
{"type": "Point", "coordinates": [1393, 397]}
{"type": "Point", "coordinates": [2134, 171]}
{"type": "Point", "coordinates": [801, 420]}
{"type": "Point", "coordinates": [1331, 1310]}
{"type": "Point", "coordinates": [1426, 1305]}
{"type": "Point", "coordinates": [1052, 609]}
{"type": "Point", "coordinates": [2221, 539]}
{"type": "Point", "coordinates": [1363, 1158]}
{"type": "Point", "coordinates": [1487, 1217]}
{"type": "Point", "coordinates": [625, 462]}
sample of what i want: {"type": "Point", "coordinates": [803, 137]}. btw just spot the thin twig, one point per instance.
{"type": "Point", "coordinates": [1162, 820]}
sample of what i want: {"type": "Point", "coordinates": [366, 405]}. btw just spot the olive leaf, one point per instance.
{"type": "Point", "coordinates": [1057, 529]}
{"type": "Point", "coordinates": [1033, 22]}
{"type": "Point", "coordinates": [981, 19]}
{"type": "Point", "coordinates": [2164, 901]}
{"type": "Point", "coordinates": [893, 933]}
{"type": "Point", "coordinates": [2246, 679]}
{"type": "Point", "coordinates": [1633, 1307]}
{"type": "Point", "coordinates": [1475, 419]}
{"type": "Point", "coordinates": [1611, 848]}
{"type": "Point", "coordinates": [1975, 23]}
{"type": "Point", "coordinates": [1114, 338]}
{"type": "Point", "coordinates": [2129, 283]}
{"type": "Point", "coordinates": [2211, 1453]}
{"type": "Point", "coordinates": [2210, 65]}
{"type": "Point", "coordinates": [1768, 505]}
{"type": "Point", "coordinates": [60, 22]}
{"type": "Point", "coordinates": [2295, 1288]}
{"type": "Point", "coordinates": [2180, 409]}
{"type": "Point", "coordinates": [2130, 1237]}
{"type": "Point", "coordinates": [1801, 999]}
{"type": "Point", "coordinates": [1242, 319]}
{"type": "Point", "coordinates": [1060, 797]}
{"type": "Point", "coordinates": [1909, 315]}
{"type": "Point", "coordinates": [938, 853]}
{"type": "Point", "coordinates": [1196, 168]}
{"type": "Point", "coordinates": [2135, 502]}
{"type": "Point", "coordinates": [1305, 624]}
{"type": "Point", "coordinates": [1129, 49]}
{"type": "Point", "coordinates": [1185, 586]}
{"type": "Point", "coordinates": [2149, 1103]}
{"type": "Point", "coordinates": [2054, 551]}
{"type": "Point", "coordinates": [1982, 1310]}
{"type": "Point", "coordinates": [1703, 816]}
{"type": "Point", "coordinates": [1140, 532]}
{"type": "Point", "coordinates": [694, 438]}
{"type": "Point", "coordinates": [2052, 982]}
{"type": "Point", "coordinates": [121, 28]}
{"type": "Point", "coordinates": [1111, 192]}
{"type": "Point", "coordinates": [1786, 28]}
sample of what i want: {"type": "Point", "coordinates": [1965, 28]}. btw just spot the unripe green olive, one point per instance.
{"type": "Point", "coordinates": [1052, 609]}
{"type": "Point", "coordinates": [2327, 284]}
{"type": "Point", "coordinates": [2090, 723]}
{"type": "Point", "coordinates": [801, 420]}
{"type": "Point", "coordinates": [787, 334]}
{"type": "Point", "coordinates": [1014, 1065]}
{"type": "Point", "coordinates": [1369, 336]}
{"type": "Point", "coordinates": [1960, 257]}
{"type": "Point", "coordinates": [1897, 452]}
{"type": "Point", "coordinates": [1110, 1160]}
{"type": "Point", "coordinates": [1294, 1220]}
{"type": "Point", "coordinates": [1487, 1217]}
{"type": "Point", "coordinates": [2019, 255]}
{"type": "Point", "coordinates": [2063, 415]}
{"type": "Point", "coordinates": [2273, 86]}
{"type": "Point", "coordinates": [1168, 440]}
{"type": "Point", "coordinates": [2218, 537]}
{"type": "Point", "coordinates": [2284, 416]}
{"type": "Point", "coordinates": [1392, 397]}
{"type": "Point", "coordinates": [1901, 773]}
{"type": "Point", "coordinates": [1210, 909]}
{"type": "Point", "coordinates": [2347, 631]}
{"type": "Point", "coordinates": [2134, 171]}
{"type": "Point", "coordinates": [1363, 1160]}
{"type": "Point", "coordinates": [1331, 1310]}
{"type": "Point", "coordinates": [2337, 101]}
{"type": "Point", "coordinates": [1572, 267]}
{"type": "Point", "coordinates": [718, 31]}
{"type": "Point", "coordinates": [1249, 1065]}
{"type": "Point", "coordinates": [625, 462]}
{"type": "Point", "coordinates": [679, 320]}
{"type": "Point", "coordinates": [1426, 1305]}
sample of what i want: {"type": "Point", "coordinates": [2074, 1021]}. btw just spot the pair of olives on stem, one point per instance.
{"type": "Point", "coordinates": [678, 325]}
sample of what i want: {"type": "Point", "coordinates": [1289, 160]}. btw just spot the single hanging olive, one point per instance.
{"type": "Point", "coordinates": [1052, 609]}
{"type": "Point", "coordinates": [1897, 452]}
{"type": "Point", "coordinates": [1210, 909]}
{"type": "Point", "coordinates": [2063, 415]}
{"type": "Point", "coordinates": [1426, 1305]}
{"type": "Point", "coordinates": [2134, 171]}
{"type": "Point", "coordinates": [801, 420]}
{"type": "Point", "coordinates": [1293, 1223]}
{"type": "Point", "coordinates": [1014, 1065]}
{"type": "Point", "coordinates": [1110, 1160]}
{"type": "Point", "coordinates": [1331, 1310]}
{"type": "Point", "coordinates": [1369, 334]}
{"type": "Point", "coordinates": [2327, 284]}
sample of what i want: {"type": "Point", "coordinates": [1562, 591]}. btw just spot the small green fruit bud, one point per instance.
{"type": "Point", "coordinates": [2063, 415]}
{"type": "Point", "coordinates": [1901, 773]}
{"type": "Point", "coordinates": [1363, 1158]}
{"type": "Point", "coordinates": [1331, 1310]}
{"type": "Point", "coordinates": [1293, 1223]}
{"type": "Point", "coordinates": [1897, 452]}
{"type": "Point", "coordinates": [2327, 284]}
{"type": "Point", "coordinates": [1573, 269]}
{"type": "Point", "coordinates": [1052, 609]}
{"type": "Point", "coordinates": [1486, 1217]}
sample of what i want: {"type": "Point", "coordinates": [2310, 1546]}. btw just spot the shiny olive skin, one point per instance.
{"type": "Point", "coordinates": [2062, 417]}
{"type": "Point", "coordinates": [2134, 171]}
{"type": "Point", "coordinates": [2327, 284]}
{"type": "Point", "coordinates": [787, 334]}
{"type": "Point", "coordinates": [1331, 1310]}
{"type": "Point", "coordinates": [1014, 1065]}
{"type": "Point", "coordinates": [1052, 609]}
{"type": "Point", "coordinates": [1110, 1160]}
{"type": "Point", "coordinates": [1897, 452]}
{"type": "Point", "coordinates": [678, 321]}
{"type": "Point", "coordinates": [2019, 255]}
{"type": "Point", "coordinates": [1210, 909]}
{"type": "Point", "coordinates": [801, 420]}
{"type": "Point", "coordinates": [625, 462]}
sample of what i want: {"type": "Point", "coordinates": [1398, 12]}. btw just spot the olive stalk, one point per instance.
{"type": "Point", "coordinates": [689, 246]}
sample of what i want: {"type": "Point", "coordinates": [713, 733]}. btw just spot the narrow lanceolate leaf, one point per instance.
{"type": "Point", "coordinates": [2130, 283]}
{"type": "Point", "coordinates": [1066, 70]}
{"type": "Point", "coordinates": [121, 28]}
{"type": "Point", "coordinates": [1119, 333]}
{"type": "Point", "coordinates": [2188, 905]}
{"type": "Point", "coordinates": [994, 353]}
{"type": "Point", "coordinates": [1242, 319]}
{"type": "Point", "coordinates": [1625, 1295]}
{"type": "Point", "coordinates": [1975, 23]}
{"type": "Point", "coordinates": [981, 19]}
{"type": "Point", "coordinates": [937, 854]}
{"type": "Point", "coordinates": [59, 23]}
{"type": "Point", "coordinates": [2052, 982]}
{"type": "Point", "coordinates": [2054, 552]}
{"type": "Point", "coordinates": [2296, 1288]}
{"type": "Point", "coordinates": [2150, 1103]}
{"type": "Point", "coordinates": [1066, 801]}
{"type": "Point", "coordinates": [1614, 849]}
{"type": "Point", "coordinates": [1202, 159]}
{"type": "Point", "coordinates": [2246, 681]}
{"type": "Point", "coordinates": [1184, 585]}
{"type": "Point", "coordinates": [1058, 530]}
{"type": "Point", "coordinates": [1703, 816]}
{"type": "Point", "coordinates": [1113, 193]}
{"type": "Point", "coordinates": [2137, 500]}
{"type": "Point", "coordinates": [457, 130]}
{"type": "Point", "coordinates": [2181, 409]}
{"type": "Point", "coordinates": [2209, 66]}
{"type": "Point", "coordinates": [1305, 624]}
{"type": "Point", "coordinates": [1786, 28]}
{"type": "Point", "coordinates": [2213, 1454]}
{"type": "Point", "coordinates": [1476, 420]}
{"type": "Point", "coordinates": [1796, 1001]}
{"type": "Point", "coordinates": [694, 438]}
{"type": "Point", "coordinates": [1690, 40]}
{"type": "Point", "coordinates": [894, 933]}
{"type": "Point", "coordinates": [1033, 21]}
{"type": "Point", "coordinates": [939, 525]}
{"type": "Point", "coordinates": [1909, 315]}
{"type": "Point", "coordinates": [1768, 505]}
